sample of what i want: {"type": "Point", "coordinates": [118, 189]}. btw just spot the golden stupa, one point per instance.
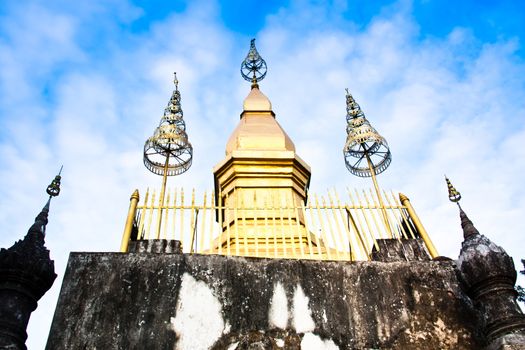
{"type": "Point", "coordinates": [263, 175]}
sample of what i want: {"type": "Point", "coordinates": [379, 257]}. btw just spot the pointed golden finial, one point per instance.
{"type": "Point", "coordinates": [453, 194]}
{"type": "Point", "coordinates": [253, 68]}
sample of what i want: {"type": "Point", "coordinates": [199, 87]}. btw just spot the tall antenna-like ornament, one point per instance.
{"type": "Point", "coordinates": [168, 152]}
{"type": "Point", "coordinates": [253, 68]}
{"type": "Point", "coordinates": [53, 189]}
{"type": "Point", "coordinates": [366, 152]}
{"type": "Point", "coordinates": [453, 194]}
{"type": "Point", "coordinates": [467, 225]}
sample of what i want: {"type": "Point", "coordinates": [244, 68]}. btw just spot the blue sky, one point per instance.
{"type": "Point", "coordinates": [84, 84]}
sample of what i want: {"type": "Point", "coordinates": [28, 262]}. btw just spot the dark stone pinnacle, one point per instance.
{"type": "Point", "coordinates": [467, 225]}
{"type": "Point", "coordinates": [26, 274]}
{"type": "Point", "coordinates": [488, 277]}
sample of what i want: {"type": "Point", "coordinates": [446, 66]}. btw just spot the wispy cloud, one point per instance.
{"type": "Point", "coordinates": [80, 87]}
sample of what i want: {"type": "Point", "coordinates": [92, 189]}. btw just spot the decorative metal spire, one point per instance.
{"type": "Point", "coordinates": [168, 152]}
{"type": "Point", "coordinates": [466, 224]}
{"type": "Point", "coordinates": [453, 194]}
{"type": "Point", "coordinates": [253, 68]}
{"type": "Point", "coordinates": [366, 152]}
{"type": "Point", "coordinates": [53, 189]}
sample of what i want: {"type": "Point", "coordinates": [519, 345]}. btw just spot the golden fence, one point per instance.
{"type": "Point", "coordinates": [324, 228]}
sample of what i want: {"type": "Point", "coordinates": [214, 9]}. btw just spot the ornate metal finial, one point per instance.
{"type": "Point", "coordinates": [53, 189]}
{"type": "Point", "coordinates": [365, 151]}
{"type": "Point", "coordinates": [253, 68]}
{"type": "Point", "coordinates": [453, 194]}
{"type": "Point", "coordinates": [168, 152]}
{"type": "Point", "coordinates": [466, 224]}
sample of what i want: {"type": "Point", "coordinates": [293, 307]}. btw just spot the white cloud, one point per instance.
{"type": "Point", "coordinates": [449, 105]}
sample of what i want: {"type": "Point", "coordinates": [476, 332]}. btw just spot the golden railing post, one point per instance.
{"type": "Point", "coordinates": [419, 226]}
{"type": "Point", "coordinates": [133, 201]}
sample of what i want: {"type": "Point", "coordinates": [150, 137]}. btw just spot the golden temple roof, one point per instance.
{"type": "Point", "coordinates": [256, 101]}
{"type": "Point", "coordinates": [258, 130]}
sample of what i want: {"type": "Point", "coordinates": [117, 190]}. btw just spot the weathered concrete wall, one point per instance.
{"type": "Point", "coordinates": [172, 301]}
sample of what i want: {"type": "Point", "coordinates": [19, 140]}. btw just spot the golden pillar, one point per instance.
{"type": "Point", "coordinates": [133, 202]}
{"type": "Point", "coordinates": [419, 226]}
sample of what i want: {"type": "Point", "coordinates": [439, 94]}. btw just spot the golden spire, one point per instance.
{"type": "Point", "coordinates": [168, 152]}
{"type": "Point", "coordinates": [260, 172]}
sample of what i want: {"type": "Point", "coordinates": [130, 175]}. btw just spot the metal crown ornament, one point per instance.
{"type": "Point", "coordinates": [365, 151]}
{"type": "Point", "coordinates": [53, 189]}
{"type": "Point", "coordinates": [168, 152]}
{"type": "Point", "coordinates": [253, 68]}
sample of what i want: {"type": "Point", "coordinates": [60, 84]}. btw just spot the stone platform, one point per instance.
{"type": "Point", "coordinates": [177, 301]}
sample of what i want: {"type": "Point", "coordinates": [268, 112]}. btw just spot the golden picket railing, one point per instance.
{"type": "Point", "coordinates": [324, 228]}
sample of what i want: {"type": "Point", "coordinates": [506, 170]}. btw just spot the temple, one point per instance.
{"type": "Point", "coordinates": [260, 262]}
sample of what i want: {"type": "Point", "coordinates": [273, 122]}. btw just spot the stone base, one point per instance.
{"type": "Point", "coordinates": [155, 246]}
{"type": "Point", "coordinates": [183, 301]}
{"type": "Point", "coordinates": [391, 250]}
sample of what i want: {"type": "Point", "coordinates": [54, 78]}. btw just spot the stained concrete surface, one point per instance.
{"type": "Point", "coordinates": [134, 301]}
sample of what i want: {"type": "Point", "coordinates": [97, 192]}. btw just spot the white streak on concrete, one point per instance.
{"type": "Point", "coordinates": [233, 346]}
{"type": "Point", "coordinates": [278, 314]}
{"type": "Point", "coordinates": [227, 328]}
{"type": "Point", "coordinates": [302, 315]}
{"type": "Point", "coordinates": [313, 342]}
{"type": "Point", "coordinates": [195, 329]}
